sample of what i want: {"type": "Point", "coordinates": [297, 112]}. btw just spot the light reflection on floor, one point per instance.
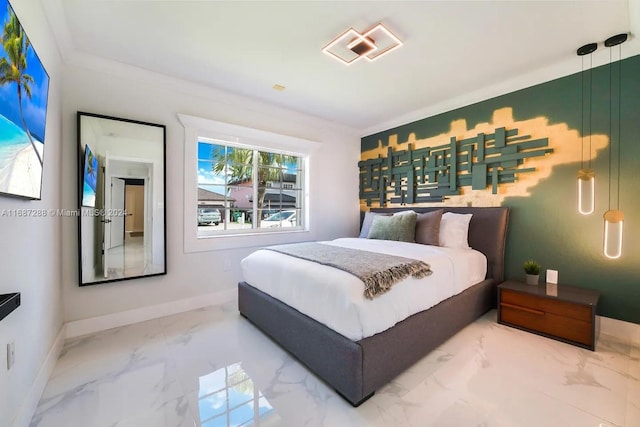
{"type": "Point", "coordinates": [228, 397]}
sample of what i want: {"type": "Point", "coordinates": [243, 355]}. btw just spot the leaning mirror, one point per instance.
{"type": "Point", "coordinates": [121, 188]}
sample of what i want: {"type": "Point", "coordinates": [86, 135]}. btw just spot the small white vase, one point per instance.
{"type": "Point", "coordinates": [533, 279]}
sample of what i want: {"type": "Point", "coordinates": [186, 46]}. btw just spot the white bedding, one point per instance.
{"type": "Point", "coordinates": [335, 298]}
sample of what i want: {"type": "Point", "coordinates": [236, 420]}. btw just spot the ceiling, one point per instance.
{"type": "Point", "coordinates": [451, 48]}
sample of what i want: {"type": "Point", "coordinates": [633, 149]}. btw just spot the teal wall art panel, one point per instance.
{"type": "Point", "coordinates": [533, 170]}
{"type": "Point", "coordinates": [433, 173]}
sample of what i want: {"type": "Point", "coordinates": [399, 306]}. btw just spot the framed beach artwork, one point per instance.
{"type": "Point", "coordinates": [24, 88]}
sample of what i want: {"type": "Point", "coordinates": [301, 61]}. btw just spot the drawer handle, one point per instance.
{"type": "Point", "coordinates": [528, 310]}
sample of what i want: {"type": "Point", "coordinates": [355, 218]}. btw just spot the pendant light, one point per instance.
{"type": "Point", "coordinates": [586, 176]}
{"type": "Point", "coordinates": [614, 218]}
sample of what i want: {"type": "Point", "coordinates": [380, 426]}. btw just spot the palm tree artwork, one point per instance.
{"type": "Point", "coordinates": [12, 67]}
{"type": "Point", "coordinates": [91, 170]}
{"type": "Point", "coordinates": [237, 165]}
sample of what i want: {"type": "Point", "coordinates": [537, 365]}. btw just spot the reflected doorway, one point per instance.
{"type": "Point", "coordinates": [134, 207]}
{"type": "Point", "coordinates": [128, 236]}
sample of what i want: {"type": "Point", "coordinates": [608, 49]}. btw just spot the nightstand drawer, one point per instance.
{"type": "Point", "coordinates": [552, 306]}
{"type": "Point", "coordinates": [547, 323]}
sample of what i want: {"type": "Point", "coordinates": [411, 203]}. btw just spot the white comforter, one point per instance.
{"type": "Point", "coordinates": [335, 298]}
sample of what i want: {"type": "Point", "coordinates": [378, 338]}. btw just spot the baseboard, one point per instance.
{"type": "Point", "coordinates": [620, 329]}
{"type": "Point", "coordinates": [77, 328]}
{"type": "Point", "coordinates": [30, 402]}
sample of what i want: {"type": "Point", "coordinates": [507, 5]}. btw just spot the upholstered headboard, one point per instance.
{"type": "Point", "coordinates": [487, 232]}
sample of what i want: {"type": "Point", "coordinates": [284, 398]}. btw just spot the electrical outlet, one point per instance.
{"type": "Point", "coordinates": [11, 354]}
{"type": "Point", "coordinates": [226, 264]}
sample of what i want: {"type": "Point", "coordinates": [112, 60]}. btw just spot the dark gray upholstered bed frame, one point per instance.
{"type": "Point", "coordinates": [356, 369]}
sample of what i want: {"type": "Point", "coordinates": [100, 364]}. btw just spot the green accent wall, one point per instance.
{"type": "Point", "coordinates": [546, 225]}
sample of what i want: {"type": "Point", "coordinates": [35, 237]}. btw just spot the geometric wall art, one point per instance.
{"type": "Point", "coordinates": [431, 174]}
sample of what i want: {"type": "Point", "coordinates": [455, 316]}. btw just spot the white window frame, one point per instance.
{"type": "Point", "coordinates": [195, 128]}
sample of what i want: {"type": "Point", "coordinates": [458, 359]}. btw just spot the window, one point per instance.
{"type": "Point", "coordinates": [255, 189]}
{"type": "Point", "coordinates": [240, 173]}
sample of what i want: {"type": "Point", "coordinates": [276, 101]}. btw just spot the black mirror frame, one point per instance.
{"type": "Point", "coordinates": [80, 182]}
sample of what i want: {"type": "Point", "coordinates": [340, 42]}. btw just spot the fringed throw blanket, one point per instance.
{"type": "Point", "coordinates": [377, 271]}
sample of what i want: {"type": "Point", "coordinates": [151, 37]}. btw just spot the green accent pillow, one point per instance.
{"type": "Point", "coordinates": [401, 228]}
{"type": "Point", "coordinates": [368, 220]}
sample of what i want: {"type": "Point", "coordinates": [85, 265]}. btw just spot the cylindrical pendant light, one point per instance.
{"type": "Point", "coordinates": [586, 176]}
{"type": "Point", "coordinates": [614, 218]}
{"type": "Point", "coordinates": [613, 222]}
{"type": "Point", "coordinates": [586, 191]}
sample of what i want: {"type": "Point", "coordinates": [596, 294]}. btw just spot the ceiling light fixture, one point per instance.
{"type": "Point", "coordinates": [352, 45]}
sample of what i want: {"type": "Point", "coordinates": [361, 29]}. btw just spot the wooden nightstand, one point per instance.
{"type": "Point", "coordinates": [562, 312]}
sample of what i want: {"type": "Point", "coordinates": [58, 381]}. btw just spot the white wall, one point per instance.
{"type": "Point", "coordinates": [96, 86]}
{"type": "Point", "coordinates": [30, 257]}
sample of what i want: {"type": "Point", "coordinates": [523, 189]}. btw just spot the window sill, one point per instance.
{"type": "Point", "coordinates": [240, 241]}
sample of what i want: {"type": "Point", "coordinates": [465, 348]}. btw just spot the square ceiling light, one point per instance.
{"type": "Point", "coordinates": [371, 44]}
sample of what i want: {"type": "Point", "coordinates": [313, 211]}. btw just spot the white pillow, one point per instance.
{"type": "Point", "coordinates": [406, 213]}
{"type": "Point", "coordinates": [454, 230]}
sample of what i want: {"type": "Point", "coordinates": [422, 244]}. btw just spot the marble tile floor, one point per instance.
{"type": "Point", "coordinates": [211, 368]}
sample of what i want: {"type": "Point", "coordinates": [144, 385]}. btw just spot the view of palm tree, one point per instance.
{"type": "Point", "coordinates": [12, 68]}
{"type": "Point", "coordinates": [237, 165]}
{"type": "Point", "coordinates": [91, 171]}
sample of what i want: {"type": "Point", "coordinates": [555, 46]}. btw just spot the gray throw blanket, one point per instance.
{"type": "Point", "coordinates": [377, 271]}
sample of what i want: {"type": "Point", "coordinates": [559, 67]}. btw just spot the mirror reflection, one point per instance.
{"type": "Point", "coordinates": [121, 199]}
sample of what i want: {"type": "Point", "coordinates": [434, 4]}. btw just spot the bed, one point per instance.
{"type": "Point", "coordinates": [356, 368]}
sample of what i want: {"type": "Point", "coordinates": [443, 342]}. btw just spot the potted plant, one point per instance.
{"type": "Point", "coordinates": [532, 269]}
